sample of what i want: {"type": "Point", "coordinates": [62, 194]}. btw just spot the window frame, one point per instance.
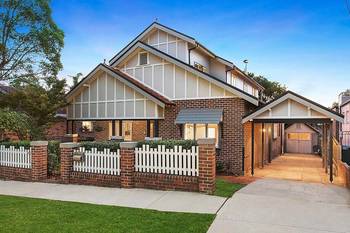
{"type": "Point", "coordinates": [139, 56]}
{"type": "Point", "coordinates": [199, 66]}
{"type": "Point", "coordinates": [219, 138]}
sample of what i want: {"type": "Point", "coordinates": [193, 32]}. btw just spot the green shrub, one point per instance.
{"type": "Point", "coordinates": [186, 144]}
{"type": "Point", "coordinates": [54, 159]}
{"type": "Point", "coordinates": [16, 144]}
{"type": "Point", "coordinates": [112, 145]}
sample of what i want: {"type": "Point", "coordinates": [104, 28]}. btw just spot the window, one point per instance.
{"type": "Point", "coordinates": [276, 131]}
{"type": "Point", "coordinates": [200, 67]}
{"type": "Point", "coordinates": [86, 126]}
{"type": "Point", "coordinates": [299, 136]}
{"type": "Point", "coordinates": [196, 131]}
{"type": "Point", "coordinates": [143, 59]}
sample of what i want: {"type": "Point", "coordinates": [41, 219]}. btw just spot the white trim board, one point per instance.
{"type": "Point", "coordinates": [189, 68]}
{"type": "Point", "coordinates": [291, 96]}
{"type": "Point", "coordinates": [100, 67]}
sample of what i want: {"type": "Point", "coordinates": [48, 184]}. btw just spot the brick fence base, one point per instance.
{"type": "Point", "coordinates": [15, 173]}
{"type": "Point", "coordinates": [165, 182]}
{"type": "Point", "coordinates": [94, 179]}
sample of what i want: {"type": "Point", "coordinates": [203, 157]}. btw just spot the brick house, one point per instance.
{"type": "Point", "coordinates": [165, 84]}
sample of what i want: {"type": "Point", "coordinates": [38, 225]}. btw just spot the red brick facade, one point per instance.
{"type": "Point", "coordinates": [231, 131]}
{"type": "Point", "coordinates": [94, 179]}
{"type": "Point", "coordinates": [207, 165]}
{"type": "Point", "coordinates": [56, 130]}
{"type": "Point", "coordinates": [127, 164]}
{"type": "Point", "coordinates": [15, 173]}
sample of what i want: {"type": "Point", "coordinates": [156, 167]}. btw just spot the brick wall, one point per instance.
{"type": "Point", "coordinates": [94, 179]}
{"type": "Point", "coordinates": [139, 130]}
{"type": "Point", "coordinates": [14, 173]}
{"type": "Point", "coordinates": [165, 182]}
{"type": "Point", "coordinates": [56, 130]}
{"type": "Point", "coordinates": [232, 128]}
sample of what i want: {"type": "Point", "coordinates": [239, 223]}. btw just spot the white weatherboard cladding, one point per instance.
{"type": "Point", "coordinates": [108, 98]}
{"type": "Point", "coordinates": [168, 43]}
{"type": "Point", "coordinates": [171, 80]}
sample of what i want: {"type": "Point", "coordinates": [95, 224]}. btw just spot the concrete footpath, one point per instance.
{"type": "Point", "coordinates": [279, 206]}
{"type": "Point", "coordinates": [174, 201]}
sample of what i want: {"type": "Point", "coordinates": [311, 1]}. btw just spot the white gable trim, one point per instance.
{"type": "Point", "coordinates": [191, 69]}
{"type": "Point", "coordinates": [291, 96]}
{"type": "Point", "coordinates": [100, 67]}
{"type": "Point", "coordinates": [144, 33]}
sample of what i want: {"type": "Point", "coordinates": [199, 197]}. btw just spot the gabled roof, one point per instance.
{"type": "Point", "coordinates": [147, 30]}
{"type": "Point", "coordinates": [307, 125]}
{"type": "Point", "coordinates": [299, 99]}
{"type": "Point", "coordinates": [126, 79]}
{"type": "Point", "coordinates": [185, 38]}
{"type": "Point", "coordinates": [345, 103]}
{"type": "Point", "coordinates": [238, 92]}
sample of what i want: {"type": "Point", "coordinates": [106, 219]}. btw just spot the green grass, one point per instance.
{"type": "Point", "coordinates": [18, 214]}
{"type": "Point", "coordinates": [225, 188]}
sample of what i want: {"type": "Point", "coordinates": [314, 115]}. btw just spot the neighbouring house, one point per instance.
{"type": "Point", "coordinates": [301, 138]}
{"type": "Point", "coordinates": [344, 128]}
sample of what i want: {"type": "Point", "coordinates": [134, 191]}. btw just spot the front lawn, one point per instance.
{"type": "Point", "coordinates": [18, 214]}
{"type": "Point", "coordinates": [225, 188]}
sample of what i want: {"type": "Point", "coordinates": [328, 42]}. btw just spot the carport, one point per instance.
{"type": "Point", "coordinates": [264, 129]}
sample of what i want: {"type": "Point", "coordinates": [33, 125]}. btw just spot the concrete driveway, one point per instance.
{"type": "Point", "coordinates": [272, 206]}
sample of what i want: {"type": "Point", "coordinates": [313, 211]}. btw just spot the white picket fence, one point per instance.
{"type": "Point", "coordinates": [13, 157]}
{"type": "Point", "coordinates": [100, 162]}
{"type": "Point", "coordinates": [176, 161]}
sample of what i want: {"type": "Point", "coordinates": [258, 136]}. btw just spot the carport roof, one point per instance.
{"type": "Point", "coordinates": [291, 107]}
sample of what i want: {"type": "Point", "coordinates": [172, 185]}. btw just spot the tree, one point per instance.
{"type": "Point", "coordinates": [30, 41]}
{"type": "Point", "coordinates": [40, 103]}
{"type": "Point", "coordinates": [76, 79]}
{"type": "Point", "coordinates": [272, 90]}
{"type": "Point", "coordinates": [11, 121]}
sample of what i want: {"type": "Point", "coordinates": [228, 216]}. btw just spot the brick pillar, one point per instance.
{"type": "Point", "coordinates": [127, 164]}
{"type": "Point", "coordinates": [207, 165]}
{"type": "Point", "coordinates": [66, 151]}
{"type": "Point", "coordinates": [39, 160]}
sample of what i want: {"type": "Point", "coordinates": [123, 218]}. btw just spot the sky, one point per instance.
{"type": "Point", "coordinates": [303, 44]}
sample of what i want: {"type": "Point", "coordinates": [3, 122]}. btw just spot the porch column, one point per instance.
{"type": "Point", "coordinates": [72, 125]}
{"type": "Point", "coordinates": [113, 127]}
{"type": "Point", "coordinates": [156, 128]}
{"type": "Point", "coordinates": [67, 126]}
{"type": "Point", "coordinates": [330, 153]}
{"type": "Point", "coordinates": [120, 128]}
{"type": "Point", "coordinates": [263, 143]}
{"type": "Point", "coordinates": [148, 128]}
{"type": "Point", "coordinates": [252, 160]}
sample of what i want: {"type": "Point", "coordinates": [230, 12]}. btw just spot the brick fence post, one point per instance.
{"type": "Point", "coordinates": [127, 164]}
{"type": "Point", "coordinates": [39, 160]}
{"type": "Point", "coordinates": [66, 151]}
{"type": "Point", "coordinates": [207, 165]}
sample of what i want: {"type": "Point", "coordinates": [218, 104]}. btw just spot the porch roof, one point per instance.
{"type": "Point", "coordinates": [292, 108]}
{"type": "Point", "coordinates": [199, 116]}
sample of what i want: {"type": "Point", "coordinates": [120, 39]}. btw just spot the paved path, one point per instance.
{"type": "Point", "coordinates": [138, 198]}
{"type": "Point", "coordinates": [301, 167]}
{"type": "Point", "coordinates": [273, 206]}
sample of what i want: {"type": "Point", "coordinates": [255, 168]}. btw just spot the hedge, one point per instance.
{"type": "Point", "coordinates": [112, 145]}
{"type": "Point", "coordinates": [54, 159]}
{"type": "Point", "coordinates": [16, 144]}
{"type": "Point", "coordinates": [169, 144]}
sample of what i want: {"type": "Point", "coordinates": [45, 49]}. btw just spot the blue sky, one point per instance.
{"type": "Point", "coordinates": [303, 44]}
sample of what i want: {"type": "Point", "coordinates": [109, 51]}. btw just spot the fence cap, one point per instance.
{"type": "Point", "coordinates": [39, 143]}
{"type": "Point", "coordinates": [69, 145]}
{"type": "Point", "coordinates": [128, 145]}
{"type": "Point", "coordinates": [206, 141]}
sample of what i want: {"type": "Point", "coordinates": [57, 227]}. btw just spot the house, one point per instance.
{"type": "Point", "coordinates": [165, 84]}
{"type": "Point", "coordinates": [344, 108]}
{"type": "Point", "coordinates": [301, 138]}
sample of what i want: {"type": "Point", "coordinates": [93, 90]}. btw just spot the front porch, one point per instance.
{"type": "Point", "coordinates": [102, 130]}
